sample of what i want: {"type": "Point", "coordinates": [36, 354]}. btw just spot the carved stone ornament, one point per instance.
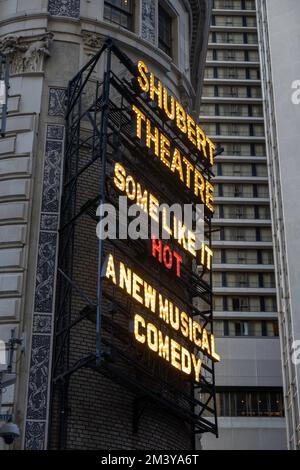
{"type": "Point", "coordinates": [26, 54]}
{"type": "Point", "coordinates": [92, 43]}
{"type": "Point", "coordinates": [92, 40]}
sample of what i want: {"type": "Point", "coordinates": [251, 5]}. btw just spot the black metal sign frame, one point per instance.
{"type": "Point", "coordinates": [99, 132]}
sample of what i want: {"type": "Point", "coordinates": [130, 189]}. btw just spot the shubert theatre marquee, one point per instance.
{"type": "Point", "coordinates": [148, 301]}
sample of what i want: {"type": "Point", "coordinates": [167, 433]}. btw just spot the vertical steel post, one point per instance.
{"type": "Point", "coordinates": [103, 153]}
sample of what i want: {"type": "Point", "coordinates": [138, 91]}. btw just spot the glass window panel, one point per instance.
{"type": "Point", "coordinates": [260, 403]}
{"type": "Point", "coordinates": [209, 55]}
{"type": "Point", "coordinates": [257, 328]}
{"type": "Point", "coordinates": [119, 12]}
{"type": "Point", "coordinates": [251, 38]}
{"type": "Point", "coordinates": [164, 30]}
{"type": "Point", "coordinates": [263, 404]}
{"type": "Point", "coordinates": [218, 303]}
{"type": "Point", "coordinates": [271, 304]}
{"type": "Point", "coordinates": [276, 404]}
{"type": "Point", "coordinates": [253, 404]}
{"type": "Point", "coordinates": [253, 56]}
{"type": "Point", "coordinates": [241, 404]}
{"type": "Point", "coordinates": [251, 21]}
{"type": "Point", "coordinates": [224, 404]}
{"type": "Point", "coordinates": [254, 304]}
{"type": "Point", "coordinates": [219, 328]}
{"type": "Point", "coordinates": [272, 328]}
{"type": "Point", "coordinates": [208, 91]}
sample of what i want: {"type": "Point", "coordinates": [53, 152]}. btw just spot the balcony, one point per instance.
{"type": "Point", "coordinates": [243, 244]}
{"type": "Point", "coordinates": [241, 215]}
{"type": "Point", "coordinates": [241, 178]}
{"type": "Point", "coordinates": [226, 200]}
{"type": "Point", "coordinates": [233, 28]}
{"type": "Point", "coordinates": [233, 41]}
{"type": "Point", "coordinates": [231, 60]}
{"type": "Point", "coordinates": [254, 315]}
{"type": "Point", "coordinates": [234, 119]}
{"type": "Point", "coordinates": [233, 11]}
{"type": "Point", "coordinates": [207, 114]}
{"type": "Point", "coordinates": [232, 81]}
{"type": "Point", "coordinates": [231, 45]}
{"type": "Point", "coordinates": [241, 222]}
{"type": "Point", "coordinates": [233, 138]}
{"type": "Point", "coordinates": [233, 94]}
{"type": "Point", "coordinates": [231, 99]}
{"type": "Point", "coordinates": [238, 158]}
{"type": "Point", "coordinates": [244, 290]}
{"type": "Point", "coordinates": [243, 267]}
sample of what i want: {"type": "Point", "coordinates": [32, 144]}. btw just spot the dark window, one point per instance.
{"type": "Point", "coordinates": [250, 403]}
{"type": "Point", "coordinates": [236, 305]}
{"type": "Point", "coordinates": [164, 31]}
{"type": "Point", "coordinates": [241, 408]}
{"type": "Point", "coordinates": [241, 328]}
{"type": "Point", "coordinates": [119, 12]}
{"type": "Point", "coordinates": [247, 328]}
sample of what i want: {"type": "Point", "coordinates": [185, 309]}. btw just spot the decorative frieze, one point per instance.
{"type": "Point", "coordinates": [38, 379]}
{"type": "Point", "coordinates": [43, 315]}
{"type": "Point", "coordinates": [51, 190]}
{"type": "Point", "coordinates": [42, 324]}
{"type": "Point", "coordinates": [57, 103]}
{"type": "Point", "coordinates": [148, 20]}
{"type": "Point", "coordinates": [35, 435]}
{"type": "Point", "coordinates": [70, 8]}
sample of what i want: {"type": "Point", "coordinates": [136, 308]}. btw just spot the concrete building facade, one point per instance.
{"type": "Point", "coordinates": [46, 42]}
{"type": "Point", "coordinates": [249, 380]}
{"type": "Point", "coordinates": [279, 38]}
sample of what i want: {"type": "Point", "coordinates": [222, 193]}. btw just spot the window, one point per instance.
{"type": "Point", "coordinates": [250, 5]}
{"type": "Point", "coordinates": [250, 403]}
{"type": "Point", "coordinates": [119, 12]}
{"type": "Point", "coordinates": [241, 328]}
{"type": "Point", "coordinates": [249, 328]}
{"type": "Point", "coordinates": [164, 31]}
{"type": "Point", "coordinates": [240, 304]}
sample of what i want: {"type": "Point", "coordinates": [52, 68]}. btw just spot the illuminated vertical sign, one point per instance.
{"type": "Point", "coordinates": [181, 338]}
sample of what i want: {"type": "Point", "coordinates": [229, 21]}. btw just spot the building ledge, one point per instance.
{"type": "Point", "coordinates": [249, 422]}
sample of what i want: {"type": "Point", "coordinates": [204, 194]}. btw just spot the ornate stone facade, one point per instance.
{"type": "Point", "coordinates": [92, 40]}
{"type": "Point", "coordinates": [57, 98]}
{"type": "Point", "coordinates": [26, 54]}
{"type": "Point", "coordinates": [38, 392]}
{"type": "Point", "coordinates": [148, 20]}
{"type": "Point", "coordinates": [69, 8]}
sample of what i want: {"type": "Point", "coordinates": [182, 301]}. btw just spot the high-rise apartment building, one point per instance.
{"type": "Point", "coordinates": [249, 381]}
{"type": "Point", "coordinates": [278, 26]}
